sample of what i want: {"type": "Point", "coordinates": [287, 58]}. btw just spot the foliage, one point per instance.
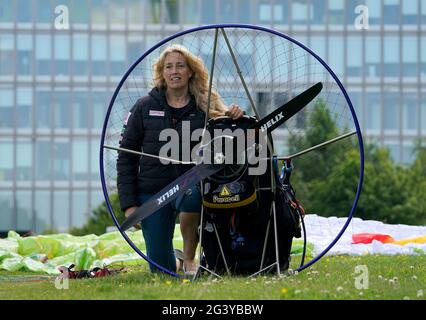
{"type": "Point", "coordinates": [327, 179]}
{"type": "Point", "coordinates": [100, 218]}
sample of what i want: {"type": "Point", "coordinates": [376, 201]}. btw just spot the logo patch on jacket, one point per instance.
{"type": "Point", "coordinates": [156, 113]}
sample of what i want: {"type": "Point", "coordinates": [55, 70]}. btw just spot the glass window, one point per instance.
{"type": "Point", "coordinates": [24, 54]}
{"type": "Point", "coordinates": [7, 13]}
{"type": "Point", "coordinates": [117, 12]}
{"type": "Point", "coordinates": [299, 11]}
{"type": "Point", "coordinates": [98, 15]}
{"type": "Point", "coordinates": [336, 58]}
{"type": "Point", "coordinates": [391, 56]}
{"type": "Point", "coordinates": [80, 110]}
{"type": "Point", "coordinates": [391, 10]}
{"type": "Point", "coordinates": [61, 160]}
{"type": "Point", "coordinates": [357, 104]}
{"type": "Point", "coordinates": [318, 12]}
{"type": "Point", "coordinates": [172, 11]}
{"type": "Point", "coordinates": [94, 160]}
{"type": "Point", "coordinates": [244, 49]}
{"type": "Point", "coordinates": [62, 54]}
{"type": "Point", "coordinates": [135, 9]}
{"type": "Point", "coordinates": [61, 210]}
{"type": "Point", "coordinates": [150, 41]}
{"type": "Point", "coordinates": [351, 15]}
{"type": "Point", "coordinates": [99, 107]}
{"type": "Point", "coordinates": [154, 11]}
{"type": "Point", "coordinates": [134, 51]}
{"type": "Point", "coordinates": [423, 11]}
{"type": "Point", "coordinates": [24, 157]}
{"type": "Point", "coordinates": [6, 54]}
{"type": "Point", "coordinates": [96, 198]}
{"type": "Point", "coordinates": [6, 163]}
{"type": "Point", "coordinates": [298, 58]}
{"type": "Point", "coordinates": [80, 12]}
{"type": "Point", "coordinates": [24, 97]}
{"type": "Point", "coordinates": [42, 210]}
{"type": "Point", "coordinates": [117, 51]}
{"type": "Point", "coordinates": [45, 12]}
{"type": "Point", "coordinates": [409, 11]}
{"type": "Point", "coordinates": [262, 65]}
{"type": "Point", "coordinates": [227, 9]}
{"type": "Point", "coordinates": [245, 11]}
{"type": "Point", "coordinates": [43, 160]}
{"type": "Point", "coordinates": [423, 57]}
{"type": "Point", "coordinates": [409, 56]}
{"type": "Point", "coordinates": [372, 56]}
{"type": "Point", "coordinates": [80, 54]}
{"type": "Point", "coordinates": [374, 11]}
{"type": "Point", "coordinates": [24, 210]}
{"type": "Point", "coordinates": [318, 46]}
{"type": "Point", "coordinates": [208, 12]}
{"type": "Point", "coordinates": [7, 209]}
{"type": "Point", "coordinates": [24, 10]}
{"type": "Point", "coordinates": [372, 110]}
{"type": "Point", "coordinates": [80, 160]}
{"type": "Point", "coordinates": [280, 12]}
{"type": "Point", "coordinates": [61, 107]}
{"type": "Point", "coordinates": [354, 56]}
{"type": "Point", "coordinates": [6, 108]}
{"type": "Point", "coordinates": [43, 54]}
{"type": "Point", "coordinates": [336, 11]}
{"type": "Point", "coordinates": [99, 55]}
{"type": "Point", "coordinates": [43, 110]}
{"type": "Point", "coordinates": [410, 115]}
{"type": "Point", "coordinates": [80, 212]}
{"type": "Point", "coordinates": [391, 104]}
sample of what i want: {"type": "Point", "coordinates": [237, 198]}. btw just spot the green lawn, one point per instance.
{"type": "Point", "coordinates": [389, 277]}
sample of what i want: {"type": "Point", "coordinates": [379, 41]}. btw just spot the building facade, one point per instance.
{"type": "Point", "coordinates": [56, 82]}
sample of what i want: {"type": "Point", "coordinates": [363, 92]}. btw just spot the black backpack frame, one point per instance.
{"type": "Point", "coordinates": [252, 239]}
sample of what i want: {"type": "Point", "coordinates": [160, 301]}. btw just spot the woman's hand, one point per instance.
{"type": "Point", "coordinates": [129, 212]}
{"type": "Point", "coordinates": [234, 111]}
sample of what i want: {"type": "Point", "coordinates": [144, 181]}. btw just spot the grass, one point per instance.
{"type": "Point", "coordinates": [332, 278]}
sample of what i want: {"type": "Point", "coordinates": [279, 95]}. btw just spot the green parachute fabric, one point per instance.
{"type": "Point", "coordinates": [45, 253]}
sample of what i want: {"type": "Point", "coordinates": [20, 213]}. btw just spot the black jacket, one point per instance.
{"type": "Point", "coordinates": [142, 174]}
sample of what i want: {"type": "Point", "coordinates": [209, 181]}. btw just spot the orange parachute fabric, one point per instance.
{"type": "Point", "coordinates": [369, 237]}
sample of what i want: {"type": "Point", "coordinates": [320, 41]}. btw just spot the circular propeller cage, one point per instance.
{"type": "Point", "coordinates": [274, 69]}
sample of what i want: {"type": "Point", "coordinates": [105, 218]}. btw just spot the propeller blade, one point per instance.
{"type": "Point", "coordinates": [289, 109]}
{"type": "Point", "coordinates": [170, 192]}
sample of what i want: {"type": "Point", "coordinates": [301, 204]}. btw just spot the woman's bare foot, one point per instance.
{"type": "Point", "coordinates": [190, 268]}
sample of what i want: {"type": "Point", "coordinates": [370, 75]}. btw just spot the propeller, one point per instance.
{"type": "Point", "coordinates": [203, 171]}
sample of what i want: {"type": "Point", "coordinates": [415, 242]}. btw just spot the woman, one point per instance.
{"type": "Point", "coordinates": [180, 94]}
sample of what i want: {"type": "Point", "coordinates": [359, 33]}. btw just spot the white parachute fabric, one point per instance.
{"type": "Point", "coordinates": [322, 230]}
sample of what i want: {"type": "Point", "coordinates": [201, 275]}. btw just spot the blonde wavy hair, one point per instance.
{"type": "Point", "coordinates": [198, 83]}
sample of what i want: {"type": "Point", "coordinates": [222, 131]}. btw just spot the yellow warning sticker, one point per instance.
{"type": "Point", "coordinates": [225, 192]}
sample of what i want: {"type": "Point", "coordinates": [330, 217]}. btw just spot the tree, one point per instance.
{"type": "Point", "coordinates": [326, 180]}
{"type": "Point", "coordinates": [313, 169]}
{"type": "Point", "coordinates": [100, 218]}
{"type": "Point", "coordinates": [318, 128]}
{"type": "Point", "coordinates": [414, 211]}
